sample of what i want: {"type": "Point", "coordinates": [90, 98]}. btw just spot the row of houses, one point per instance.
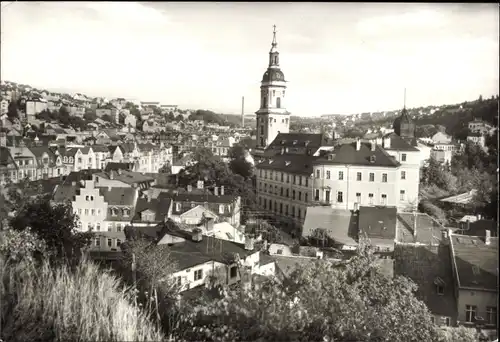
{"type": "Point", "coordinates": [42, 162]}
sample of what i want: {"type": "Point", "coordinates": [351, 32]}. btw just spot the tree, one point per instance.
{"type": "Point", "coordinates": [171, 117]}
{"type": "Point", "coordinates": [433, 174]}
{"type": "Point", "coordinates": [179, 118]}
{"type": "Point", "coordinates": [460, 333]}
{"type": "Point", "coordinates": [89, 115]}
{"type": "Point", "coordinates": [64, 117]}
{"type": "Point", "coordinates": [56, 225]}
{"type": "Point", "coordinates": [107, 118]}
{"type": "Point", "coordinates": [323, 301]}
{"type": "Point", "coordinates": [121, 118]}
{"type": "Point", "coordinates": [239, 163]}
{"type": "Point", "coordinates": [22, 245]}
{"type": "Point", "coordinates": [44, 115]}
{"type": "Point", "coordinates": [12, 110]}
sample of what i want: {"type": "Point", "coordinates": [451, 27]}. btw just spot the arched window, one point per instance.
{"type": "Point", "coordinates": [278, 102]}
{"type": "Point", "coordinates": [98, 226]}
{"type": "Point", "coordinates": [264, 101]}
{"type": "Point", "coordinates": [275, 59]}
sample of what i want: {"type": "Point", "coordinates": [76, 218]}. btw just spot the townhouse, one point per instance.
{"type": "Point", "coordinates": [481, 127]}
{"type": "Point", "coordinates": [48, 164]}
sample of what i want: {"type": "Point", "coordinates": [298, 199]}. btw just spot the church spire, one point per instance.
{"type": "Point", "coordinates": [274, 44]}
{"type": "Point", "coordinates": [274, 54]}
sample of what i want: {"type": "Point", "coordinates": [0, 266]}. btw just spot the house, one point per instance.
{"type": "Point", "coordinates": [4, 106]}
{"type": "Point", "coordinates": [151, 126]}
{"type": "Point", "coordinates": [441, 138]}
{"type": "Point", "coordinates": [430, 267]}
{"type": "Point", "coordinates": [108, 110]}
{"type": "Point", "coordinates": [480, 126]}
{"type": "Point", "coordinates": [152, 211]}
{"type": "Point", "coordinates": [8, 167]}
{"type": "Point", "coordinates": [477, 139]}
{"type": "Point", "coordinates": [35, 106]}
{"type": "Point", "coordinates": [48, 164]}
{"type": "Point", "coordinates": [201, 260]}
{"type": "Point", "coordinates": [25, 162]}
{"type": "Point", "coordinates": [475, 272]}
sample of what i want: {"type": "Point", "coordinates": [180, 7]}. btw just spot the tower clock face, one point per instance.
{"type": "Point", "coordinates": [278, 76]}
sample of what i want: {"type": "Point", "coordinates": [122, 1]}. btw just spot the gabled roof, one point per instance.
{"type": "Point", "coordinates": [118, 166]}
{"type": "Point", "coordinates": [290, 163]}
{"type": "Point", "coordinates": [400, 144]}
{"type": "Point", "coordinates": [476, 263]}
{"type": "Point", "coordinates": [428, 267]}
{"type": "Point", "coordinates": [309, 140]}
{"type": "Point", "coordinates": [339, 225]}
{"type": "Point", "coordinates": [160, 206]}
{"type": "Point", "coordinates": [202, 198]}
{"type": "Point", "coordinates": [428, 229]}
{"type": "Point", "coordinates": [377, 222]}
{"type": "Point", "coordinates": [119, 196]}
{"type": "Point", "coordinates": [347, 154]}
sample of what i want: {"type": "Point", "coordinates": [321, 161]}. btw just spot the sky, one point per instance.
{"type": "Point", "coordinates": [338, 58]}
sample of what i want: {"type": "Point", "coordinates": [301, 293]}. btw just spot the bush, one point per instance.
{"type": "Point", "coordinates": [41, 303]}
{"type": "Point", "coordinates": [432, 210]}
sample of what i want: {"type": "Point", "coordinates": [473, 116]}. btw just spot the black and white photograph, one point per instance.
{"type": "Point", "coordinates": [249, 171]}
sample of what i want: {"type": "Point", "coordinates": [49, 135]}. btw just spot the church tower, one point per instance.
{"type": "Point", "coordinates": [404, 125]}
{"type": "Point", "coordinates": [272, 117]}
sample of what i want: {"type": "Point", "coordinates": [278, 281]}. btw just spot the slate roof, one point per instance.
{"type": "Point", "coordinates": [479, 228]}
{"type": "Point", "coordinates": [201, 198]}
{"type": "Point", "coordinates": [297, 164]}
{"type": "Point", "coordinates": [377, 222]}
{"type": "Point", "coordinates": [340, 225]}
{"type": "Point", "coordinates": [476, 263]}
{"type": "Point", "coordinates": [287, 265]}
{"type": "Point", "coordinates": [191, 253]}
{"type": "Point", "coordinates": [299, 140]}
{"type": "Point", "coordinates": [118, 166]}
{"type": "Point", "coordinates": [427, 265]}
{"type": "Point", "coordinates": [64, 193]}
{"type": "Point", "coordinates": [127, 177]}
{"type": "Point", "coordinates": [399, 144]}
{"type": "Point", "coordinates": [347, 154]}
{"type": "Point", "coordinates": [159, 205]}
{"type": "Point", "coordinates": [119, 196]}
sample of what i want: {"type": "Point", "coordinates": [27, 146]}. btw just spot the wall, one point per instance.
{"type": "Point", "coordinates": [481, 299]}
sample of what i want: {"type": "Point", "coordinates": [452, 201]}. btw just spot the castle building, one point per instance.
{"type": "Point", "coordinates": [272, 117]}
{"type": "Point", "coordinates": [298, 170]}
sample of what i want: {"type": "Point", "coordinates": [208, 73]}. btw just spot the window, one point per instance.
{"type": "Point", "coordinates": [300, 196]}
{"type": "Point", "coordinates": [318, 173]}
{"type": "Point", "coordinates": [440, 290]}
{"type": "Point", "coordinates": [86, 212]}
{"type": "Point", "coordinates": [293, 211]}
{"type": "Point", "coordinates": [372, 177]}
{"type": "Point", "coordinates": [403, 157]}
{"type": "Point", "coordinates": [221, 209]}
{"type": "Point", "coordinates": [178, 206]}
{"type": "Point", "coordinates": [340, 197]}
{"type": "Point", "coordinates": [278, 102]}
{"type": "Point", "coordinates": [294, 179]}
{"type": "Point", "coordinates": [288, 178]}
{"type": "Point", "coordinates": [179, 280]}
{"type": "Point", "coordinates": [80, 212]}
{"type": "Point", "coordinates": [92, 211]}
{"type": "Point", "coordinates": [316, 195]}
{"type": "Point", "coordinates": [358, 197]}
{"type": "Point", "coordinates": [118, 242]}
{"type": "Point", "coordinates": [233, 272]}
{"type": "Point", "coordinates": [300, 180]}
{"type": "Point", "coordinates": [384, 178]}
{"type": "Point", "coordinates": [401, 195]}
{"type": "Point", "coordinates": [198, 274]}
{"type": "Point", "coordinates": [370, 198]}
{"type": "Point", "coordinates": [286, 209]}
{"type": "Point", "coordinates": [327, 196]}
{"type": "Point", "coordinates": [403, 174]}
{"type": "Point", "coordinates": [306, 197]}
{"type": "Point", "coordinates": [279, 251]}
{"type": "Point", "coordinates": [293, 194]}
{"type": "Point", "coordinates": [470, 313]}
{"type": "Point", "coordinates": [384, 199]}
{"type": "Point", "coordinates": [358, 176]}
{"type": "Point", "coordinates": [341, 175]}
{"type": "Point", "coordinates": [110, 243]}
{"type": "Point", "coordinates": [282, 177]}
{"type": "Point", "coordinates": [307, 181]}
{"type": "Point", "coordinates": [327, 174]}
{"type": "Point", "coordinates": [433, 320]}
{"type": "Point", "coordinates": [445, 321]}
{"type": "Point", "coordinates": [110, 227]}
{"type": "Point", "coordinates": [97, 242]}
{"type": "Point", "coordinates": [98, 226]}
{"type": "Point", "coordinates": [118, 227]}
{"type": "Point", "coordinates": [491, 315]}
{"type": "Point", "coordinates": [281, 191]}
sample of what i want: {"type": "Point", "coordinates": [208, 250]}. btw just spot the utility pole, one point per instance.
{"type": "Point", "coordinates": [242, 111]}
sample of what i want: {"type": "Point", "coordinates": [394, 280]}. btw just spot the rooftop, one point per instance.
{"type": "Point", "coordinates": [378, 222]}
{"type": "Point", "coordinates": [428, 229]}
{"type": "Point", "coordinates": [339, 225]}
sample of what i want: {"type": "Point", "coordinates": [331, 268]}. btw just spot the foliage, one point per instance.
{"type": "Point", "coordinates": [207, 116]}
{"type": "Point", "coordinates": [12, 110]}
{"type": "Point", "coordinates": [353, 301]}
{"type": "Point", "coordinates": [64, 117]}
{"type": "Point", "coordinates": [22, 245]}
{"type": "Point", "coordinates": [461, 333]}
{"type": "Point", "coordinates": [43, 303]}
{"type": "Point", "coordinates": [90, 115]}
{"type": "Point", "coordinates": [56, 225]}
{"type": "Point", "coordinates": [239, 164]}
{"type": "Point", "coordinates": [107, 118]}
{"type": "Point", "coordinates": [167, 168]}
{"type": "Point", "coordinates": [46, 115]}
{"type": "Point", "coordinates": [170, 117]}
{"type": "Point", "coordinates": [433, 210]}
{"type": "Point", "coordinates": [433, 174]}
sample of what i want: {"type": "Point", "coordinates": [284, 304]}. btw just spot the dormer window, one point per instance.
{"type": "Point", "coordinates": [221, 208]}
{"type": "Point", "coordinates": [440, 285]}
{"type": "Point", "coordinates": [65, 159]}
{"type": "Point", "coordinates": [287, 163]}
{"type": "Point", "coordinates": [306, 143]}
{"type": "Point", "coordinates": [177, 206]}
{"type": "Point", "coordinates": [372, 159]}
{"type": "Point", "coordinates": [295, 142]}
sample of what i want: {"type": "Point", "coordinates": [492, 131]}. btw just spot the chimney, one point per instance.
{"type": "Point", "coordinates": [209, 224]}
{"type": "Point", "coordinates": [189, 188]}
{"type": "Point", "coordinates": [445, 236]}
{"type": "Point", "coordinates": [119, 171]}
{"type": "Point", "coordinates": [111, 175]}
{"type": "Point", "coordinates": [222, 190]}
{"type": "Point", "coordinates": [216, 191]}
{"type": "Point", "coordinates": [414, 223]}
{"type": "Point", "coordinates": [197, 235]}
{"type": "Point", "coordinates": [478, 216]}
{"type": "Point", "coordinates": [387, 142]}
{"type": "Point", "coordinates": [487, 239]}
{"type": "Point", "coordinates": [149, 198]}
{"type": "Point", "coordinates": [249, 243]}
{"type": "Point", "coordinates": [358, 144]}
{"type": "Point", "coordinates": [373, 143]}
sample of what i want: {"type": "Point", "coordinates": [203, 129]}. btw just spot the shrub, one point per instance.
{"type": "Point", "coordinates": [41, 303]}
{"type": "Point", "coordinates": [433, 210]}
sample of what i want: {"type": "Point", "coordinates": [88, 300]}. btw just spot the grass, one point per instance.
{"type": "Point", "coordinates": [42, 303]}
